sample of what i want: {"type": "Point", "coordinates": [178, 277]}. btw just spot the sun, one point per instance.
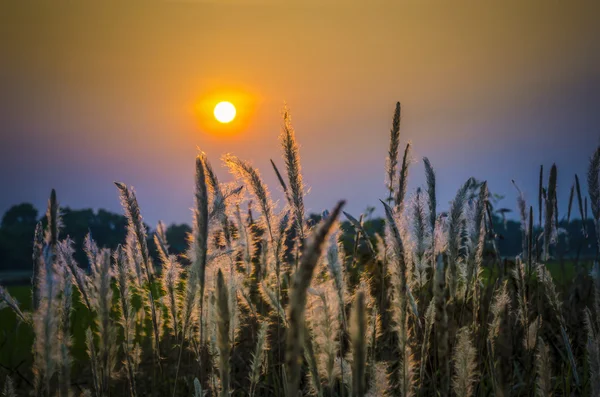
{"type": "Point", "coordinates": [224, 112]}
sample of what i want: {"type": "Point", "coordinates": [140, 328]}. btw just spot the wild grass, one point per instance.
{"type": "Point", "coordinates": [268, 303]}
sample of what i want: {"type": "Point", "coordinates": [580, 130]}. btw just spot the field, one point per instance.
{"type": "Point", "coordinates": [274, 303]}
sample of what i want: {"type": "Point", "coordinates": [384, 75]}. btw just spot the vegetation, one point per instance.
{"type": "Point", "coordinates": [275, 303]}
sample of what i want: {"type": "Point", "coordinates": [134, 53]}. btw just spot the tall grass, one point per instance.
{"type": "Point", "coordinates": [266, 303]}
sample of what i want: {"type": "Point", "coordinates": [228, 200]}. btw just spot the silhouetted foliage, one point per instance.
{"type": "Point", "coordinates": [109, 229]}
{"type": "Point", "coordinates": [16, 237]}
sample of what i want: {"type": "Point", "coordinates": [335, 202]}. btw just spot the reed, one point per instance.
{"type": "Point", "coordinates": [441, 326]}
{"type": "Point", "coordinates": [46, 318]}
{"type": "Point", "coordinates": [275, 302]}
{"type": "Point", "coordinates": [465, 364]}
{"type": "Point", "coordinates": [420, 235]}
{"type": "Point", "coordinates": [593, 178]}
{"type": "Point", "coordinates": [300, 284]}
{"type": "Point", "coordinates": [223, 337]}
{"type": "Point", "coordinates": [403, 180]}
{"type": "Point", "coordinates": [139, 246]}
{"type": "Point", "coordinates": [291, 156]}
{"type": "Point", "coordinates": [454, 235]}
{"type": "Point", "coordinates": [543, 371]}
{"type": "Point", "coordinates": [65, 359]}
{"type": "Point", "coordinates": [127, 319]}
{"type": "Point", "coordinates": [550, 223]}
{"type": "Point", "coordinates": [358, 334]}
{"type": "Point", "coordinates": [256, 364]}
{"type": "Point", "coordinates": [6, 300]}
{"type": "Point", "coordinates": [82, 281]}
{"type": "Point", "coordinates": [392, 159]}
{"type": "Point", "coordinates": [252, 178]}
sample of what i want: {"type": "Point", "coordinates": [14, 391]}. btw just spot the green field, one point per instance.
{"type": "Point", "coordinates": [16, 337]}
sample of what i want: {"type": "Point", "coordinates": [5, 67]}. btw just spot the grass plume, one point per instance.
{"type": "Point", "coordinates": [392, 159]}
{"type": "Point", "coordinates": [465, 364]}
{"type": "Point", "coordinates": [593, 177]}
{"type": "Point", "coordinates": [358, 338]}
{"type": "Point", "coordinates": [291, 156]}
{"type": "Point", "coordinates": [301, 281]}
{"type": "Point", "coordinates": [223, 337]}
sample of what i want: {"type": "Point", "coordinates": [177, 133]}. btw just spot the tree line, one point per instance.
{"type": "Point", "coordinates": [575, 238]}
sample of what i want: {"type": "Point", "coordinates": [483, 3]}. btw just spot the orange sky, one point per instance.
{"type": "Point", "coordinates": [91, 93]}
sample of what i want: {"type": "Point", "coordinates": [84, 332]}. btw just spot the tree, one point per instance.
{"type": "Point", "coordinates": [22, 214]}
{"type": "Point", "coordinates": [16, 237]}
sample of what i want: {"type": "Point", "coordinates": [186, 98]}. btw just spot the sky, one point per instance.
{"type": "Point", "coordinates": [96, 92]}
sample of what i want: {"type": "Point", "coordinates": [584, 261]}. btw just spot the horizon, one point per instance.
{"type": "Point", "coordinates": [511, 216]}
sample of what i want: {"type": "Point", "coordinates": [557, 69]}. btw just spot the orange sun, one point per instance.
{"type": "Point", "coordinates": [225, 111]}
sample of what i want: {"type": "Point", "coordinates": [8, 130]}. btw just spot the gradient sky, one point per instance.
{"type": "Point", "coordinates": [92, 93]}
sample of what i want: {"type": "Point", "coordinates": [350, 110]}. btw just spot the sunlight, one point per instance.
{"type": "Point", "coordinates": [224, 112]}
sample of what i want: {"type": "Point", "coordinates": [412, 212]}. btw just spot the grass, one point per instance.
{"type": "Point", "coordinates": [279, 306]}
{"type": "Point", "coordinates": [17, 338]}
